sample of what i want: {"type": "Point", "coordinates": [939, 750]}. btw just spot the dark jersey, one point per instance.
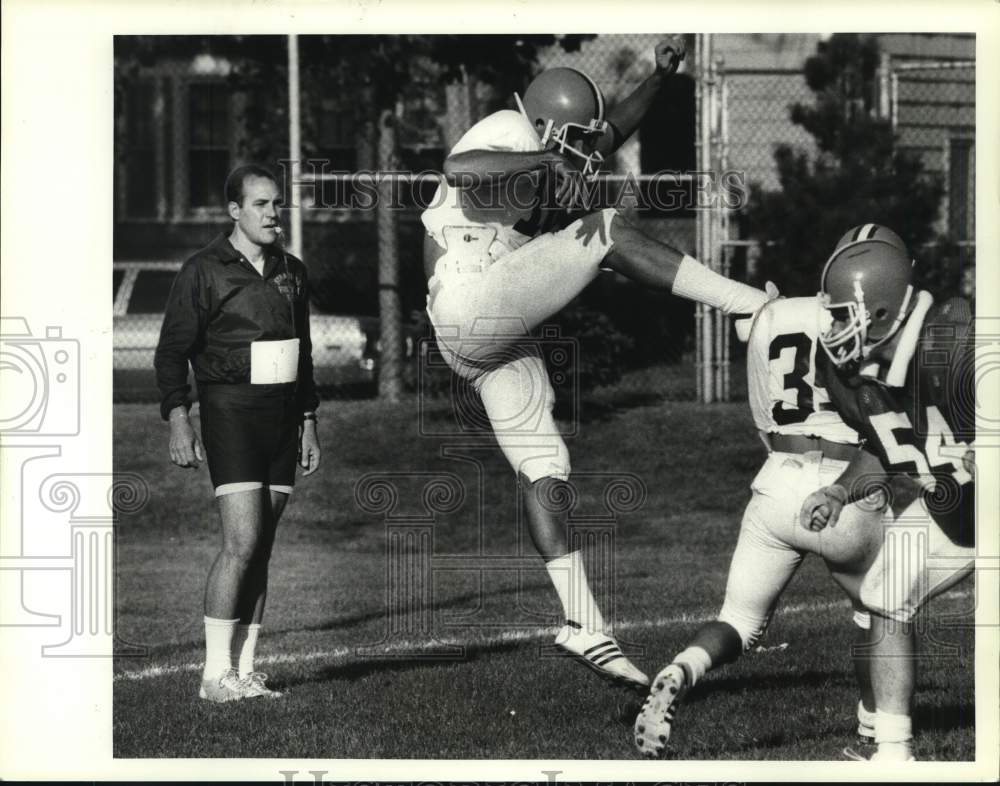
{"type": "Point", "coordinates": [921, 429]}
{"type": "Point", "coordinates": [218, 306]}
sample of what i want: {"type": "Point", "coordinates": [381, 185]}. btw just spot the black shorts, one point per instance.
{"type": "Point", "coordinates": [251, 435]}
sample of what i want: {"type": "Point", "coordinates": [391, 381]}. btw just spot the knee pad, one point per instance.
{"type": "Point", "coordinates": [748, 625]}
{"type": "Point", "coordinates": [544, 457]}
{"type": "Point", "coordinates": [888, 595]}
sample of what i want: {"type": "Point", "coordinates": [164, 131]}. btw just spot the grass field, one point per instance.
{"type": "Point", "coordinates": [358, 689]}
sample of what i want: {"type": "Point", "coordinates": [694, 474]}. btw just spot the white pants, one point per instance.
{"type": "Point", "coordinates": [917, 561]}
{"type": "Point", "coordinates": [483, 319]}
{"type": "Point", "coordinates": [772, 543]}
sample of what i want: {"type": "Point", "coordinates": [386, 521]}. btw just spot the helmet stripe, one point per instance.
{"type": "Point", "coordinates": [864, 232]}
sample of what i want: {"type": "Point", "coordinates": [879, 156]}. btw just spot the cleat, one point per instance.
{"type": "Point", "coordinates": [652, 726]}
{"type": "Point", "coordinates": [866, 725]}
{"type": "Point", "coordinates": [254, 686]}
{"type": "Point", "coordinates": [600, 652]}
{"type": "Point", "coordinates": [226, 687]}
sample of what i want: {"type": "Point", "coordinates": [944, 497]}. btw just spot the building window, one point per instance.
{"type": "Point", "coordinates": [140, 151]}
{"type": "Point", "coordinates": [209, 117]}
{"type": "Point", "coordinates": [962, 188]}
{"type": "Point", "coordinates": [337, 140]}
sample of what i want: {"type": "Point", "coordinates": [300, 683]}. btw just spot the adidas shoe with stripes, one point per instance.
{"type": "Point", "coordinates": [600, 652]}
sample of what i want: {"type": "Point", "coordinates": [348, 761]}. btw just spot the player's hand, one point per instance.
{"type": "Point", "coordinates": [185, 447]}
{"type": "Point", "coordinates": [669, 53]}
{"type": "Point", "coordinates": [309, 452]}
{"type": "Point", "coordinates": [567, 181]}
{"type": "Point", "coordinates": [822, 508]}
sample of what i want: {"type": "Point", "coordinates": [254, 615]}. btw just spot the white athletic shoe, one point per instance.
{"type": "Point", "coordinates": [866, 725]}
{"type": "Point", "coordinates": [601, 653]}
{"type": "Point", "coordinates": [226, 687]}
{"type": "Point", "coordinates": [254, 686]}
{"type": "Point", "coordinates": [896, 753]}
{"type": "Point", "coordinates": [655, 719]}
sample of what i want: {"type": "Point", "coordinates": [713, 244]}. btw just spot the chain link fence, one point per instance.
{"type": "Point", "coordinates": [188, 109]}
{"type": "Point", "coordinates": [932, 107]}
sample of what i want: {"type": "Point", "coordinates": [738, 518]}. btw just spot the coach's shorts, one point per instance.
{"type": "Point", "coordinates": [250, 433]}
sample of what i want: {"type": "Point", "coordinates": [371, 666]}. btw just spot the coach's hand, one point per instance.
{"type": "Point", "coordinates": [669, 52]}
{"type": "Point", "coordinates": [822, 507]}
{"type": "Point", "coordinates": [309, 452]}
{"type": "Point", "coordinates": [185, 447]}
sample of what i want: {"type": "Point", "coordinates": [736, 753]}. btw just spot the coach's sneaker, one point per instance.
{"type": "Point", "coordinates": [227, 687]}
{"type": "Point", "coordinates": [601, 653]}
{"type": "Point", "coordinates": [652, 726]}
{"type": "Point", "coordinates": [255, 686]}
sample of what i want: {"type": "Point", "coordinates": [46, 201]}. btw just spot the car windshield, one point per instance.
{"type": "Point", "coordinates": [149, 295]}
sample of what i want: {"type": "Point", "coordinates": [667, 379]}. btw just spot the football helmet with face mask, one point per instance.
{"type": "Point", "coordinates": [866, 289]}
{"type": "Point", "coordinates": [566, 108]}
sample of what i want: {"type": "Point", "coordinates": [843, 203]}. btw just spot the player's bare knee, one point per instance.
{"type": "Point", "coordinates": [239, 550]}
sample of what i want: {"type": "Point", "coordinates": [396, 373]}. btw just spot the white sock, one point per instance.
{"type": "Point", "coordinates": [218, 637]}
{"type": "Point", "coordinates": [893, 732]}
{"type": "Point", "coordinates": [696, 662]}
{"type": "Point", "coordinates": [696, 282]}
{"type": "Point", "coordinates": [244, 646]}
{"type": "Point", "coordinates": [570, 581]}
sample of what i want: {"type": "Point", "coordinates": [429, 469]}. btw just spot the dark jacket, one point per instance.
{"type": "Point", "coordinates": [218, 305]}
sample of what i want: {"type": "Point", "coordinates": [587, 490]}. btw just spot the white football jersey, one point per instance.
{"type": "Point", "coordinates": [784, 394]}
{"type": "Point", "coordinates": [509, 209]}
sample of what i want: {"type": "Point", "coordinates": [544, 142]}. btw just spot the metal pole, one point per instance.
{"type": "Point", "coordinates": [294, 145]}
{"type": "Point", "coordinates": [699, 228]}
{"type": "Point", "coordinates": [706, 67]}
{"type": "Point", "coordinates": [894, 80]}
{"type": "Point", "coordinates": [390, 372]}
{"type": "Point", "coordinates": [724, 229]}
{"type": "Point", "coordinates": [884, 70]}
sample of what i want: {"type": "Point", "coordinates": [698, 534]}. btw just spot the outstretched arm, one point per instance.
{"type": "Point", "coordinates": [624, 119]}
{"type": "Point", "coordinates": [472, 168]}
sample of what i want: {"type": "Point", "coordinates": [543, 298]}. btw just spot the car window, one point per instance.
{"type": "Point", "coordinates": [149, 295]}
{"type": "Point", "coordinates": [119, 276]}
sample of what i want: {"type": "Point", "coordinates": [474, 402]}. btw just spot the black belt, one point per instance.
{"type": "Point", "coordinates": [799, 443]}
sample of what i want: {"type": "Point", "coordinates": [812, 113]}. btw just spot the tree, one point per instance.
{"type": "Point", "coordinates": [371, 76]}
{"type": "Point", "coordinates": [858, 174]}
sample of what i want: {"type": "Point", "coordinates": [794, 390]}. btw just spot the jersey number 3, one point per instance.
{"type": "Point", "coordinates": [795, 380]}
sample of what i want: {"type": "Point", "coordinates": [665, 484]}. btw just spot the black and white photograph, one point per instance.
{"type": "Point", "coordinates": [528, 397]}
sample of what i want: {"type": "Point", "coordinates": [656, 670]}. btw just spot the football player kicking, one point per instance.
{"type": "Point", "coordinates": [808, 446]}
{"type": "Point", "coordinates": [498, 266]}
{"type": "Point", "coordinates": [905, 376]}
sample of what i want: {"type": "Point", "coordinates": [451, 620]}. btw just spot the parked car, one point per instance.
{"type": "Point", "coordinates": [344, 348]}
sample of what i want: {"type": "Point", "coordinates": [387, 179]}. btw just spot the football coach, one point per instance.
{"type": "Point", "coordinates": [239, 313]}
